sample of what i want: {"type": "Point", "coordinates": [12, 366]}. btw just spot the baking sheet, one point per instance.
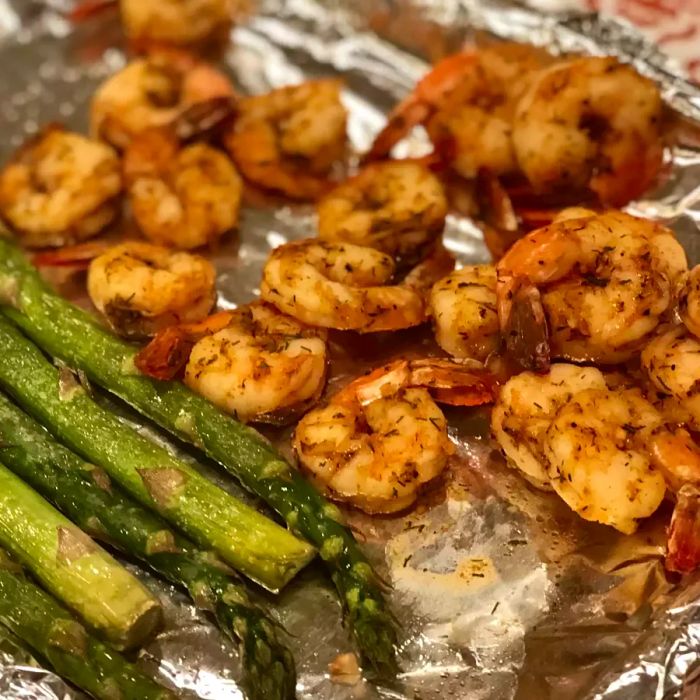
{"type": "Point", "coordinates": [500, 590]}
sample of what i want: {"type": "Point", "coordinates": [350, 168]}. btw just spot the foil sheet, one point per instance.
{"type": "Point", "coordinates": [500, 591]}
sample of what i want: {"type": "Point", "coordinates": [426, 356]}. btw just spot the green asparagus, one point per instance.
{"type": "Point", "coordinates": [84, 493]}
{"type": "Point", "coordinates": [57, 637]}
{"type": "Point", "coordinates": [68, 333]}
{"type": "Point", "coordinates": [247, 540]}
{"type": "Point", "coordinates": [75, 569]}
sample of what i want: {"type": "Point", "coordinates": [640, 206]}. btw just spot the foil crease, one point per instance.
{"type": "Point", "coordinates": [501, 592]}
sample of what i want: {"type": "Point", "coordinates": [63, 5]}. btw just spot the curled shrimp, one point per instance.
{"type": "Point", "coordinates": [141, 288]}
{"type": "Point", "coordinates": [379, 439]}
{"type": "Point", "coordinates": [60, 188]}
{"type": "Point", "coordinates": [671, 362]}
{"type": "Point", "coordinates": [468, 101]}
{"type": "Point", "coordinates": [167, 353]}
{"type": "Point", "coordinates": [343, 286]}
{"type": "Point", "coordinates": [524, 409]}
{"type": "Point", "coordinates": [602, 284]}
{"type": "Point", "coordinates": [153, 91]}
{"type": "Point", "coordinates": [287, 140]}
{"type": "Point", "coordinates": [262, 366]}
{"type": "Point", "coordinates": [178, 22]}
{"type": "Point", "coordinates": [591, 123]}
{"type": "Point", "coordinates": [396, 207]}
{"type": "Point", "coordinates": [463, 310]}
{"type": "Point", "coordinates": [598, 461]}
{"type": "Point", "coordinates": [689, 301]}
{"type": "Point", "coordinates": [185, 196]}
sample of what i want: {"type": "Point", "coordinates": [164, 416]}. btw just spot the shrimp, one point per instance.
{"type": "Point", "coordinates": [671, 362]}
{"type": "Point", "coordinates": [468, 101]}
{"type": "Point", "coordinates": [396, 207]}
{"type": "Point", "coordinates": [598, 461]}
{"type": "Point", "coordinates": [185, 196]}
{"type": "Point", "coordinates": [287, 140]}
{"type": "Point", "coordinates": [179, 22]}
{"type": "Point", "coordinates": [463, 309]}
{"type": "Point", "coordinates": [60, 188]}
{"type": "Point", "coordinates": [167, 353]}
{"type": "Point", "coordinates": [141, 288]}
{"type": "Point", "coordinates": [689, 301]}
{"type": "Point", "coordinates": [591, 123]}
{"type": "Point", "coordinates": [263, 366]}
{"type": "Point", "coordinates": [524, 409]}
{"type": "Point", "coordinates": [342, 286]}
{"type": "Point", "coordinates": [604, 283]}
{"type": "Point", "coordinates": [153, 91]}
{"type": "Point", "coordinates": [379, 439]}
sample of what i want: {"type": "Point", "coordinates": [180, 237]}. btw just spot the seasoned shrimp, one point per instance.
{"type": "Point", "coordinates": [524, 409]}
{"type": "Point", "coordinates": [468, 102]}
{"type": "Point", "coordinates": [380, 438]}
{"type": "Point", "coordinates": [463, 309]}
{"type": "Point", "coordinates": [604, 282]}
{"type": "Point", "coordinates": [597, 460]}
{"type": "Point", "coordinates": [262, 366]}
{"type": "Point", "coordinates": [178, 22]}
{"type": "Point", "coordinates": [689, 301]}
{"type": "Point", "coordinates": [151, 92]}
{"type": "Point", "coordinates": [141, 288]}
{"type": "Point", "coordinates": [287, 140]}
{"type": "Point", "coordinates": [340, 286]}
{"type": "Point", "coordinates": [60, 188]}
{"type": "Point", "coordinates": [397, 207]}
{"type": "Point", "coordinates": [671, 361]}
{"type": "Point", "coordinates": [591, 122]}
{"type": "Point", "coordinates": [184, 196]}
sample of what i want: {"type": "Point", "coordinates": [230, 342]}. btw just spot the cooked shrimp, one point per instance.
{"type": "Point", "coordinates": [178, 22]}
{"type": "Point", "coordinates": [591, 123]}
{"type": "Point", "coordinates": [397, 207]}
{"type": "Point", "coordinates": [153, 91]}
{"type": "Point", "coordinates": [166, 354]}
{"type": "Point", "coordinates": [467, 101]}
{"type": "Point", "coordinates": [689, 301]}
{"type": "Point", "coordinates": [671, 361]}
{"type": "Point", "coordinates": [381, 438]}
{"type": "Point", "coordinates": [597, 461]}
{"type": "Point", "coordinates": [463, 309]}
{"type": "Point", "coordinates": [524, 409]}
{"type": "Point", "coordinates": [604, 281]}
{"type": "Point", "coordinates": [141, 288]}
{"type": "Point", "coordinates": [263, 366]}
{"type": "Point", "coordinates": [340, 286]}
{"type": "Point", "coordinates": [287, 140]}
{"type": "Point", "coordinates": [184, 196]}
{"type": "Point", "coordinates": [60, 188]}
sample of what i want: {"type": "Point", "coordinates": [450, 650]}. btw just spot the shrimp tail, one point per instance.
{"type": "Point", "coordinates": [407, 114]}
{"type": "Point", "coordinates": [86, 9]}
{"type": "Point", "coordinates": [76, 256]}
{"type": "Point", "coordinates": [683, 548]}
{"type": "Point", "coordinates": [205, 118]}
{"type": "Point", "coordinates": [166, 355]}
{"type": "Point", "coordinates": [524, 327]}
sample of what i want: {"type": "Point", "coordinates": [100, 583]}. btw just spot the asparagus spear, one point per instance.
{"type": "Point", "coordinates": [247, 540]}
{"type": "Point", "coordinates": [84, 493]}
{"type": "Point", "coordinates": [51, 631]}
{"type": "Point", "coordinates": [73, 567]}
{"type": "Point", "coordinates": [69, 333]}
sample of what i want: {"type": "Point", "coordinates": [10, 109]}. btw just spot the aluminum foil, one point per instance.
{"type": "Point", "coordinates": [500, 590]}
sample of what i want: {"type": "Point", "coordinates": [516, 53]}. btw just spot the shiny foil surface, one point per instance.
{"type": "Point", "coordinates": [500, 591]}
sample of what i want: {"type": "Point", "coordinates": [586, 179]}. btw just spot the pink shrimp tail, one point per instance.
{"type": "Point", "coordinates": [683, 553]}
{"type": "Point", "coordinates": [86, 9]}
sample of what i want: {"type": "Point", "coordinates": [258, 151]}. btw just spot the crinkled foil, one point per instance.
{"type": "Point", "coordinates": [500, 591]}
